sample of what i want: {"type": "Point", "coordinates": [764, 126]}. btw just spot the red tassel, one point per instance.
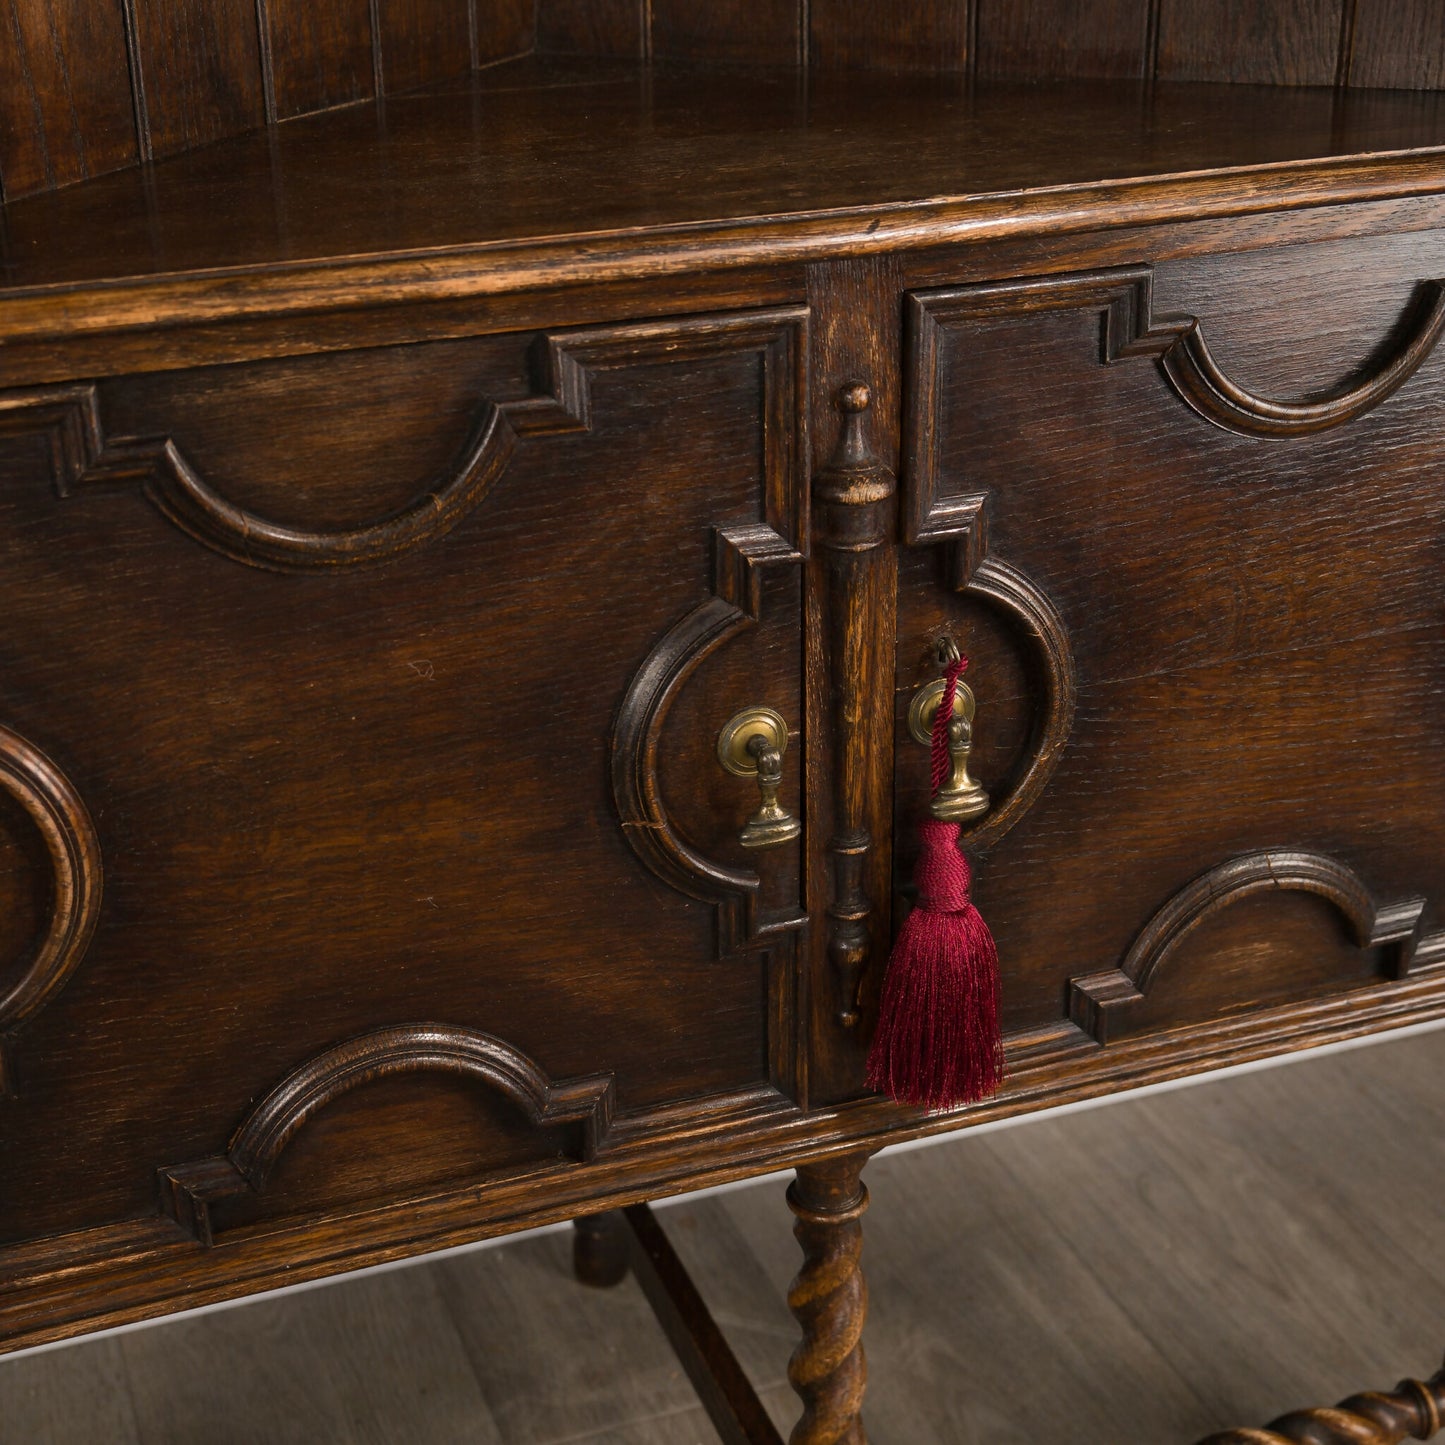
{"type": "Point", "coordinates": [938, 1042]}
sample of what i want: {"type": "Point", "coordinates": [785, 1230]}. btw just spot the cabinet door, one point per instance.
{"type": "Point", "coordinates": [363, 831]}
{"type": "Point", "coordinates": [1184, 521]}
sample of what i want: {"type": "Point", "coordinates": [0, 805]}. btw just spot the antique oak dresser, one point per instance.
{"type": "Point", "coordinates": [485, 489]}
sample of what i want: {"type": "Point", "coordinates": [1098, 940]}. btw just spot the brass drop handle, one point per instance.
{"type": "Point", "coordinates": [961, 797]}
{"type": "Point", "coordinates": [752, 746]}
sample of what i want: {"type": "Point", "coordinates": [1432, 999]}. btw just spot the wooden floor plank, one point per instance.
{"type": "Point", "coordinates": [69, 1395]}
{"type": "Point", "coordinates": [1268, 1290]}
{"type": "Point", "coordinates": [559, 1361]}
{"type": "Point", "coordinates": [375, 1361]}
{"type": "Point", "coordinates": [983, 1325]}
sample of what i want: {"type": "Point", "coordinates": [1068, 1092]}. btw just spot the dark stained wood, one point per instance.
{"type": "Point", "coordinates": [503, 28]}
{"type": "Point", "coordinates": [725, 1390]}
{"type": "Point", "coordinates": [426, 40]}
{"type": "Point", "coordinates": [760, 32]}
{"type": "Point", "coordinates": [321, 54]}
{"type": "Point", "coordinates": [921, 35]}
{"type": "Point", "coordinates": [1261, 42]}
{"type": "Point", "coordinates": [615, 28]}
{"type": "Point", "coordinates": [200, 62]}
{"type": "Point", "coordinates": [66, 108]}
{"type": "Point", "coordinates": [460, 170]}
{"type": "Point", "coordinates": [855, 406]}
{"type": "Point", "coordinates": [1398, 43]}
{"type": "Point", "coordinates": [1045, 38]}
{"type": "Point", "coordinates": [829, 1299]}
{"type": "Point", "coordinates": [89, 91]}
{"type": "Point", "coordinates": [600, 1249]}
{"type": "Point", "coordinates": [1413, 1410]}
{"type": "Point", "coordinates": [395, 505]}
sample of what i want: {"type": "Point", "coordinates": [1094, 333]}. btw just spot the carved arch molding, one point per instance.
{"type": "Point", "coordinates": [56, 810]}
{"type": "Point", "coordinates": [1130, 330]}
{"type": "Point", "coordinates": [189, 1191]}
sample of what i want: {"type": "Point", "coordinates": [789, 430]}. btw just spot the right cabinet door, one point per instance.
{"type": "Point", "coordinates": [1185, 520]}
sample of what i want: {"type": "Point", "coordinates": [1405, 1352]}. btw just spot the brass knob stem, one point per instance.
{"type": "Point", "coordinates": [962, 797]}
{"type": "Point", "coordinates": [752, 746]}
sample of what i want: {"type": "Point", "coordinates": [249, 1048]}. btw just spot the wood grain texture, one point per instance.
{"type": "Point", "coordinates": [760, 32]}
{"type": "Point", "coordinates": [1398, 43]}
{"type": "Point", "coordinates": [425, 40]}
{"type": "Point", "coordinates": [727, 1394]}
{"type": "Point", "coordinates": [1092, 998]}
{"type": "Point", "coordinates": [321, 54]}
{"type": "Point", "coordinates": [200, 65]}
{"type": "Point", "coordinates": [66, 107]}
{"type": "Point", "coordinates": [921, 35]}
{"type": "Point", "coordinates": [1258, 42]}
{"type": "Point", "coordinates": [855, 491]}
{"type": "Point", "coordinates": [503, 28]}
{"type": "Point", "coordinates": [59, 816]}
{"type": "Point", "coordinates": [380, 1365]}
{"type": "Point", "coordinates": [855, 399]}
{"type": "Point", "coordinates": [1049, 39]}
{"type": "Point", "coordinates": [1295, 1286]}
{"type": "Point", "coordinates": [865, 169]}
{"type": "Point", "coordinates": [1414, 1409]}
{"type": "Point", "coordinates": [829, 1299]}
{"type": "Point", "coordinates": [611, 28]}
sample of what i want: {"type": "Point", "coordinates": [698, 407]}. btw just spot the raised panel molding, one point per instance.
{"type": "Point", "coordinates": [961, 523]}
{"type": "Point", "coordinates": [739, 555]}
{"type": "Point", "coordinates": [81, 454]}
{"type": "Point", "coordinates": [59, 814]}
{"type": "Point", "coordinates": [1124, 295]}
{"type": "Point", "coordinates": [1372, 925]}
{"type": "Point", "coordinates": [189, 1190]}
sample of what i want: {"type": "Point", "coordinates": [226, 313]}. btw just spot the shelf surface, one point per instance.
{"type": "Point", "coordinates": [576, 171]}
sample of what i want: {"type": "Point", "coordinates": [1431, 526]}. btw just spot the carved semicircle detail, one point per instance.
{"type": "Point", "coordinates": [188, 1190]}
{"type": "Point", "coordinates": [1092, 996]}
{"type": "Point", "coordinates": [999, 583]}
{"type": "Point", "coordinates": [637, 741]}
{"type": "Point", "coordinates": [1190, 368]}
{"type": "Point", "coordinates": [975, 573]}
{"type": "Point", "coordinates": [81, 453]}
{"type": "Point", "coordinates": [741, 553]}
{"type": "Point", "coordinates": [58, 813]}
{"type": "Point", "coordinates": [1124, 295]}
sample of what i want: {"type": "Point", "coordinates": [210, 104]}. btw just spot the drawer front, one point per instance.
{"type": "Point", "coordinates": [1205, 635]}
{"type": "Point", "coordinates": [409, 858]}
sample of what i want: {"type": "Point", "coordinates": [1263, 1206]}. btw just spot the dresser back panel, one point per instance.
{"type": "Point", "coordinates": [334, 797]}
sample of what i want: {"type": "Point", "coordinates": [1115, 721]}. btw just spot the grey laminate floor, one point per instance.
{"type": "Point", "coordinates": [1135, 1275]}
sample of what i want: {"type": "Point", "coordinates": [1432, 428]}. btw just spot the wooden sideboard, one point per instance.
{"type": "Point", "coordinates": [397, 504]}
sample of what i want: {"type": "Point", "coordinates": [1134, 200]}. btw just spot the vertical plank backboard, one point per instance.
{"type": "Point", "coordinates": [1062, 38]}
{"type": "Point", "coordinates": [199, 69]}
{"type": "Point", "coordinates": [320, 53]}
{"type": "Point", "coordinates": [931, 35]}
{"type": "Point", "coordinates": [591, 27]}
{"type": "Point", "coordinates": [762, 32]}
{"type": "Point", "coordinates": [1257, 42]}
{"type": "Point", "coordinates": [1399, 43]}
{"type": "Point", "coordinates": [504, 28]}
{"type": "Point", "coordinates": [66, 110]}
{"type": "Point", "coordinates": [422, 41]}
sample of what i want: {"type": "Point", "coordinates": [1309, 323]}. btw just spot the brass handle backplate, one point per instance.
{"type": "Point", "coordinates": [961, 797]}
{"type": "Point", "coordinates": [752, 746]}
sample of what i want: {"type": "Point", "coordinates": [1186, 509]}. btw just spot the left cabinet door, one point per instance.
{"type": "Point", "coordinates": [384, 688]}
